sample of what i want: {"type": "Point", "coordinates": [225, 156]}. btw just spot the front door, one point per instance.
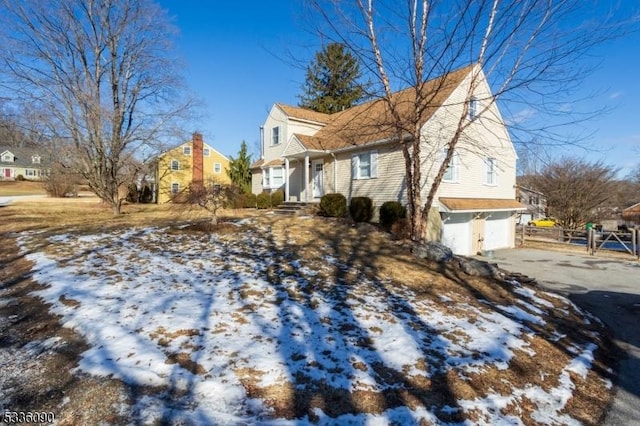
{"type": "Point", "coordinates": [7, 173]}
{"type": "Point", "coordinates": [318, 179]}
{"type": "Point", "coordinates": [477, 234]}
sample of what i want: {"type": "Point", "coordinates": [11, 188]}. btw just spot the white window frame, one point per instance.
{"type": "Point", "coordinates": [205, 152]}
{"type": "Point", "coordinates": [175, 188]}
{"type": "Point", "coordinates": [186, 150]}
{"type": "Point", "coordinates": [217, 167]}
{"type": "Point", "coordinates": [7, 158]}
{"type": "Point", "coordinates": [371, 165]}
{"type": "Point", "coordinates": [275, 136]}
{"type": "Point", "coordinates": [35, 159]}
{"type": "Point", "coordinates": [452, 174]}
{"type": "Point", "coordinates": [30, 172]}
{"type": "Point", "coordinates": [473, 108]}
{"type": "Point", "coordinates": [177, 165]}
{"type": "Point", "coordinates": [273, 179]}
{"type": "Point", "coordinates": [490, 171]}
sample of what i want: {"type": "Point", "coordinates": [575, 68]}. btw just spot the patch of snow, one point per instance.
{"type": "Point", "coordinates": [230, 309]}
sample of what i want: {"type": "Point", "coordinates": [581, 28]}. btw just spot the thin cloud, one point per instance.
{"type": "Point", "coordinates": [520, 117]}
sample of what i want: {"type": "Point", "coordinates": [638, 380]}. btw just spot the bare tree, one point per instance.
{"type": "Point", "coordinates": [528, 51]}
{"type": "Point", "coordinates": [100, 70]}
{"type": "Point", "coordinates": [210, 195]}
{"type": "Point", "coordinates": [574, 189]}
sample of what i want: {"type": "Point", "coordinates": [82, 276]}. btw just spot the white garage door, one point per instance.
{"type": "Point", "coordinates": [456, 233]}
{"type": "Point", "coordinates": [497, 231]}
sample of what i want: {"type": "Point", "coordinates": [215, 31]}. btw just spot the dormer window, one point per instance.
{"type": "Point", "coordinates": [35, 159]}
{"type": "Point", "coordinates": [8, 157]}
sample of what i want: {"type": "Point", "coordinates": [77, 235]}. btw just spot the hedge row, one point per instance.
{"type": "Point", "coordinates": [361, 209]}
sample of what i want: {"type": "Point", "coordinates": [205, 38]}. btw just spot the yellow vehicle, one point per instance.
{"type": "Point", "coordinates": [545, 222]}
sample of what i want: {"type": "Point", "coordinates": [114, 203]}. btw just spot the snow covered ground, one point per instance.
{"type": "Point", "coordinates": [221, 324]}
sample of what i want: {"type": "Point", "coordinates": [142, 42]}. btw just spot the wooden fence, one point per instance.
{"type": "Point", "coordinates": [592, 240]}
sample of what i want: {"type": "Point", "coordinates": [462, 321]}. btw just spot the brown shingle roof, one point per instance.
{"type": "Point", "coordinates": [260, 163]}
{"type": "Point", "coordinates": [373, 121]}
{"type": "Point", "coordinates": [632, 213]}
{"type": "Point", "coordinates": [480, 204]}
{"type": "Point", "coordinates": [305, 114]}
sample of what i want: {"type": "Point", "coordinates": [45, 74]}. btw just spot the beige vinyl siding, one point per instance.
{"type": "Point", "coordinates": [294, 147]}
{"type": "Point", "coordinates": [296, 167]}
{"type": "Point", "coordinates": [256, 181]}
{"type": "Point", "coordinates": [301, 127]}
{"type": "Point", "coordinates": [388, 186]}
{"type": "Point", "coordinates": [288, 127]}
{"type": "Point", "coordinates": [276, 118]}
{"type": "Point", "coordinates": [486, 137]}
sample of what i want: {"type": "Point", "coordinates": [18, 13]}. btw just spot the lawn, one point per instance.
{"type": "Point", "coordinates": [15, 188]}
{"type": "Point", "coordinates": [267, 320]}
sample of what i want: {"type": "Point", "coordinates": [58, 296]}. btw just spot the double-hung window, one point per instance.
{"type": "Point", "coordinates": [491, 171]}
{"type": "Point", "coordinates": [451, 174]}
{"type": "Point", "coordinates": [364, 165]}
{"type": "Point", "coordinates": [186, 150]}
{"type": "Point", "coordinates": [175, 165]}
{"type": "Point", "coordinates": [175, 188]}
{"type": "Point", "coordinates": [473, 108]}
{"type": "Point", "coordinates": [275, 135]}
{"type": "Point", "coordinates": [273, 177]}
{"type": "Point", "coordinates": [217, 168]}
{"type": "Point", "coordinates": [205, 152]}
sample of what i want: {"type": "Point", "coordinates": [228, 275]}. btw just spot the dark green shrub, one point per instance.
{"type": "Point", "coordinates": [250, 201]}
{"type": "Point", "coordinates": [263, 200]}
{"type": "Point", "coordinates": [361, 209]}
{"type": "Point", "coordinates": [277, 198]}
{"type": "Point", "coordinates": [20, 178]}
{"type": "Point", "coordinates": [333, 205]}
{"type": "Point", "coordinates": [391, 212]}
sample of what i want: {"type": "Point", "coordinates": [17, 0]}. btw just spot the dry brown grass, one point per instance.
{"type": "Point", "coordinates": [13, 188]}
{"type": "Point", "coordinates": [87, 213]}
{"type": "Point", "coordinates": [365, 249]}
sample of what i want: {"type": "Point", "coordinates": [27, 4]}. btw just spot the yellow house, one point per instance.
{"type": "Point", "coordinates": [192, 161]}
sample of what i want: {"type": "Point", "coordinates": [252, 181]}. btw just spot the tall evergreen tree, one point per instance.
{"type": "Point", "coordinates": [239, 170]}
{"type": "Point", "coordinates": [332, 81]}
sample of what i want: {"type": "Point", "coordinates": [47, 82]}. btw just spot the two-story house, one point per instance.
{"type": "Point", "coordinates": [355, 152]}
{"type": "Point", "coordinates": [534, 201]}
{"type": "Point", "coordinates": [192, 161]}
{"type": "Point", "coordinates": [30, 163]}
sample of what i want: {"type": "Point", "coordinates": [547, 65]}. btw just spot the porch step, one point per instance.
{"type": "Point", "coordinates": [291, 208]}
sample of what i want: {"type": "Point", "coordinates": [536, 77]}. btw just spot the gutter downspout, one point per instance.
{"type": "Point", "coordinates": [335, 172]}
{"type": "Point", "coordinates": [262, 142]}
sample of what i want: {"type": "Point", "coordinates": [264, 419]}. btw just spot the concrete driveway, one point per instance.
{"type": "Point", "coordinates": [608, 288]}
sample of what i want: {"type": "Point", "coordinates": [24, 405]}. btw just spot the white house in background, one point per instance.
{"type": "Point", "coordinates": [354, 152]}
{"type": "Point", "coordinates": [30, 163]}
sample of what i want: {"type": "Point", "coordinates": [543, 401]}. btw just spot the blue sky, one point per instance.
{"type": "Point", "coordinates": [234, 53]}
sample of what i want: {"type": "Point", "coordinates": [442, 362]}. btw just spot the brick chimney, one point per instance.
{"type": "Point", "coordinates": [198, 168]}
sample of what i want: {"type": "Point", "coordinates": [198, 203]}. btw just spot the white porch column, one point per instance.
{"type": "Point", "coordinates": [286, 179]}
{"type": "Point", "coordinates": [306, 178]}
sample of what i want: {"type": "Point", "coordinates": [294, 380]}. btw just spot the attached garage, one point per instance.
{"type": "Point", "coordinates": [456, 232]}
{"type": "Point", "coordinates": [498, 230]}
{"type": "Point", "coordinates": [472, 225]}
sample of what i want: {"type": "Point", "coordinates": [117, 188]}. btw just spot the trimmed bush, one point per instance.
{"type": "Point", "coordinates": [333, 205]}
{"type": "Point", "coordinates": [391, 212]}
{"type": "Point", "coordinates": [20, 178]}
{"type": "Point", "coordinates": [361, 209]}
{"type": "Point", "coordinates": [263, 200]}
{"type": "Point", "coordinates": [250, 201]}
{"type": "Point", "coordinates": [277, 198]}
